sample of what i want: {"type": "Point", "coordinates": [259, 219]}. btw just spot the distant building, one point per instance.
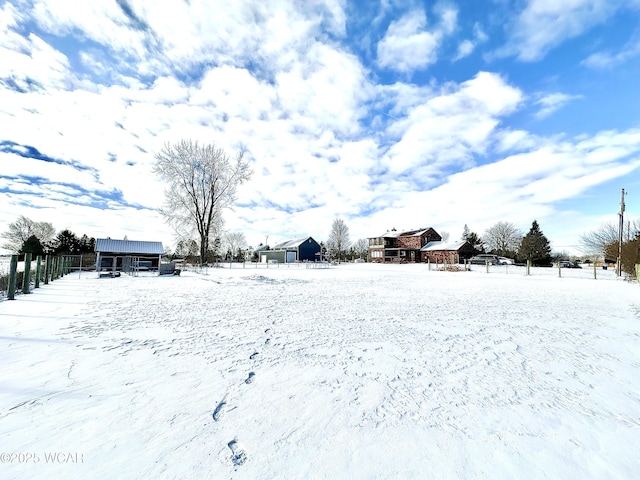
{"type": "Point", "coordinates": [304, 249]}
{"type": "Point", "coordinates": [401, 247]}
{"type": "Point", "coordinates": [116, 255]}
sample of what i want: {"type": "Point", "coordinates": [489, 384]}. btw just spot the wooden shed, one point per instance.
{"type": "Point", "coordinates": [127, 255]}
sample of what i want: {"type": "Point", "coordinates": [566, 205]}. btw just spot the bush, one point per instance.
{"type": "Point", "coordinates": [4, 282]}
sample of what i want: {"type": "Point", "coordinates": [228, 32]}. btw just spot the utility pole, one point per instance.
{"type": "Point", "coordinates": [620, 229]}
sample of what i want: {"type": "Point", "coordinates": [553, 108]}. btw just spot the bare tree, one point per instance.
{"type": "Point", "coordinates": [202, 181]}
{"type": "Point", "coordinates": [604, 239]}
{"type": "Point", "coordinates": [503, 238]}
{"type": "Point", "coordinates": [445, 236]}
{"type": "Point", "coordinates": [361, 248]}
{"type": "Point", "coordinates": [23, 228]}
{"type": "Point", "coordinates": [338, 240]}
{"type": "Point", "coordinates": [186, 248]}
{"type": "Point", "coordinates": [233, 242]}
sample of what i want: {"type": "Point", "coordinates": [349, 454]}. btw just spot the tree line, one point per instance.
{"type": "Point", "coordinates": [202, 182]}
{"type": "Point", "coordinates": [605, 241]}
{"type": "Point", "coordinates": [40, 238]}
{"type": "Point", "coordinates": [506, 240]}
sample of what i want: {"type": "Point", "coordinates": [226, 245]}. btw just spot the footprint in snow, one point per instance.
{"type": "Point", "coordinates": [267, 341]}
{"type": "Point", "coordinates": [218, 413]}
{"type": "Point", "coordinates": [250, 378]}
{"type": "Point", "coordinates": [238, 455]}
{"type": "Point", "coordinates": [253, 356]}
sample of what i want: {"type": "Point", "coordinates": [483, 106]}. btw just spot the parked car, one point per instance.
{"type": "Point", "coordinates": [567, 264]}
{"type": "Point", "coordinates": [506, 261]}
{"type": "Point", "coordinates": [483, 259]}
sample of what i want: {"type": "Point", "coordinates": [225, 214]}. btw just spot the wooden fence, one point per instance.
{"type": "Point", "coordinates": [40, 270]}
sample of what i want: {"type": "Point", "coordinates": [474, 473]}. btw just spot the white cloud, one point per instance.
{"type": "Point", "coordinates": [514, 140]}
{"type": "Point", "coordinates": [33, 64]}
{"type": "Point", "coordinates": [544, 24]}
{"type": "Point", "coordinates": [101, 22]}
{"type": "Point", "coordinates": [443, 131]}
{"type": "Point", "coordinates": [466, 47]}
{"type": "Point", "coordinates": [408, 45]}
{"type": "Point", "coordinates": [550, 103]}
{"type": "Point", "coordinates": [602, 60]}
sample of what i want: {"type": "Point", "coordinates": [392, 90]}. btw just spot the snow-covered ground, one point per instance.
{"type": "Point", "coordinates": [351, 372]}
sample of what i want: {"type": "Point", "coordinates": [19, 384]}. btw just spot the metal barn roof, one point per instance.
{"type": "Point", "coordinates": [296, 242]}
{"type": "Point", "coordinates": [128, 246]}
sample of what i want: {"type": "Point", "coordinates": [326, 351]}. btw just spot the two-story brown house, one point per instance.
{"type": "Point", "coordinates": [401, 247]}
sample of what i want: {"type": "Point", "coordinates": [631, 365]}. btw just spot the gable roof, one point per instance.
{"type": "Point", "coordinates": [443, 246]}
{"type": "Point", "coordinates": [295, 243]}
{"type": "Point", "coordinates": [405, 233]}
{"type": "Point", "coordinates": [415, 233]}
{"type": "Point", "coordinates": [128, 246]}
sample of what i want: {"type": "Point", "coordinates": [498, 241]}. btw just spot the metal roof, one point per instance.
{"type": "Point", "coordinates": [128, 246]}
{"type": "Point", "coordinates": [442, 246]}
{"type": "Point", "coordinates": [295, 243]}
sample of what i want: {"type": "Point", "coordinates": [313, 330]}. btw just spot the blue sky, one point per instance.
{"type": "Point", "coordinates": [396, 114]}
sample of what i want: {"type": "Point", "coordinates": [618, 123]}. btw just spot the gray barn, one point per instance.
{"type": "Point", "coordinates": [124, 255]}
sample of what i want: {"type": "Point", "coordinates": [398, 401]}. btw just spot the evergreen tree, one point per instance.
{"type": "Point", "coordinates": [535, 247]}
{"type": "Point", "coordinates": [66, 242]}
{"type": "Point", "coordinates": [32, 245]}
{"type": "Point", "coordinates": [87, 244]}
{"type": "Point", "coordinates": [465, 232]}
{"type": "Point", "coordinates": [473, 239]}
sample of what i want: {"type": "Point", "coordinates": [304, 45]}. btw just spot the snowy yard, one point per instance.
{"type": "Point", "coordinates": [352, 372]}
